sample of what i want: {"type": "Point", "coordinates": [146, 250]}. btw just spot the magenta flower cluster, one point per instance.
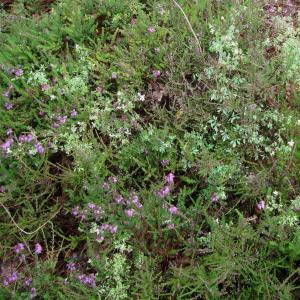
{"type": "Point", "coordinates": [165, 191]}
{"type": "Point", "coordinates": [7, 145]}
{"type": "Point", "coordinates": [23, 138]}
{"type": "Point", "coordinates": [10, 278]}
{"type": "Point", "coordinates": [261, 205]}
{"type": "Point", "coordinates": [88, 280]}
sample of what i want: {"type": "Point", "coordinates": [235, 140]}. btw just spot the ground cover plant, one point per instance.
{"type": "Point", "coordinates": [149, 149]}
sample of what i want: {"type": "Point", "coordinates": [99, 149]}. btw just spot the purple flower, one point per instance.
{"type": "Point", "coordinates": [170, 178]}
{"type": "Point", "coordinates": [99, 89]}
{"type": "Point", "coordinates": [22, 258]}
{"type": "Point", "coordinates": [10, 278]}
{"type": "Point", "coordinates": [97, 212]}
{"type": "Point", "coordinates": [156, 73]}
{"type": "Point", "coordinates": [71, 266]}
{"type": "Point", "coordinates": [113, 229]}
{"type": "Point", "coordinates": [18, 72]}
{"type": "Point", "coordinates": [9, 131]}
{"type": "Point", "coordinates": [8, 105]}
{"type": "Point", "coordinates": [33, 293]}
{"type": "Point", "coordinates": [165, 162]}
{"type": "Point", "coordinates": [55, 125]}
{"type": "Point", "coordinates": [45, 87]}
{"type": "Point", "coordinates": [7, 144]}
{"type": "Point", "coordinates": [105, 186]}
{"type": "Point", "coordinates": [62, 119]}
{"type": "Point", "coordinates": [6, 94]}
{"type": "Point", "coordinates": [22, 138]}
{"type": "Point", "coordinates": [82, 215]}
{"type": "Point", "coordinates": [73, 113]}
{"type": "Point", "coordinates": [18, 248]}
{"type": "Point", "coordinates": [173, 210]}
{"type": "Point", "coordinates": [261, 205]}
{"type": "Point", "coordinates": [113, 179]}
{"type": "Point", "coordinates": [164, 192]}
{"type": "Point", "coordinates": [89, 280]}
{"type": "Point", "coordinates": [25, 138]}
{"type": "Point", "coordinates": [91, 206]}
{"type": "Point", "coordinates": [151, 29]}
{"type": "Point", "coordinates": [134, 197]}
{"type": "Point", "coordinates": [119, 199]}
{"type": "Point", "coordinates": [214, 198]}
{"type": "Point", "coordinates": [2, 189]}
{"type": "Point", "coordinates": [38, 248]}
{"type": "Point", "coordinates": [139, 205]}
{"type": "Point", "coordinates": [27, 281]}
{"type": "Point", "coordinates": [114, 75]}
{"type": "Point", "coordinates": [130, 212]}
{"type": "Point", "coordinates": [171, 226]}
{"type": "Point", "coordinates": [75, 211]}
{"type": "Point", "coordinates": [39, 148]}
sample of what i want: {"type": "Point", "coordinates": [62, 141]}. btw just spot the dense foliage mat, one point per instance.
{"type": "Point", "coordinates": [149, 149]}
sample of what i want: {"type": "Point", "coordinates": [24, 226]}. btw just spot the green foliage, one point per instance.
{"type": "Point", "coordinates": [148, 168]}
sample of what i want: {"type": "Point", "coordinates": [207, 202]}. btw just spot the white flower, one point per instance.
{"type": "Point", "coordinates": [275, 193]}
{"type": "Point", "coordinates": [141, 97]}
{"type": "Point", "coordinates": [291, 143]}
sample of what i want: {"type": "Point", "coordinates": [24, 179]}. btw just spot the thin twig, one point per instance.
{"type": "Point", "coordinates": [190, 25]}
{"type": "Point", "coordinates": [24, 231]}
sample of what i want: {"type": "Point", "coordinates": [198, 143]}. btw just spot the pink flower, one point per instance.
{"type": "Point", "coordinates": [214, 198]}
{"type": "Point", "coordinates": [18, 72]}
{"type": "Point", "coordinates": [164, 192]}
{"type": "Point", "coordinates": [91, 206]}
{"type": "Point", "coordinates": [151, 29]}
{"type": "Point", "coordinates": [99, 89]}
{"type": "Point", "coordinates": [6, 94]}
{"type": "Point", "coordinates": [9, 131]}
{"type": "Point", "coordinates": [19, 247]}
{"type": "Point", "coordinates": [62, 119]}
{"type": "Point", "coordinates": [113, 229]}
{"type": "Point", "coordinates": [10, 278]}
{"type": "Point", "coordinates": [114, 75]}
{"type": "Point", "coordinates": [39, 148]}
{"type": "Point", "coordinates": [261, 205]}
{"type": "Point", "coordinates": [27, 281]}
{"type": "Point", "coordinates": [171, 226]}
{"type": "Point", "coordinates": [165, 162]}
{"type": "Point", "coordinates": [173, 210]}
{"type": "Point", "coordinates": [170, 178]}
{"type": "Point", "coordinates": [73, 113]}
{"type": "Point", "coordinates": [89, 280]}
{"type": "Point", "coordinates": [119, 199]}
{"type": "Point", "coordinates": [71, 266]}
{"type": "Point", "coordinates": [105, 186]}
{"type": "Point", "coordinates": [130, 212]}
{"type": "Point", "coordinates": [75, 211]}
{"type": "Point", "coordinates": [156, 73]}
{"type": "Point", "coordinates": [45, 87]}
{"type": "Point", "coordinates": [38, 248]}
{"type": "Point", "coordinates": [33, 293]}
{"type": "Point", "coordinates": [8, 105]}
{"type": "Point", "coordinates": [6, 145]}
{"type": "Point", "coordinates": [113, 179]}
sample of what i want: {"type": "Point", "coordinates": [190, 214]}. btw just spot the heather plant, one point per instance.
{"type": "Point", "coordinates": [148, 150]}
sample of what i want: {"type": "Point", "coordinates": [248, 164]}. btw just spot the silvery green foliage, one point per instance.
{"type": "Point", "coordinates": [288, 44]}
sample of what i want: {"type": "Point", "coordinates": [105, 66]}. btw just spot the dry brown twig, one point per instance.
{"type": "Point", "coordinates": [189, 25]}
